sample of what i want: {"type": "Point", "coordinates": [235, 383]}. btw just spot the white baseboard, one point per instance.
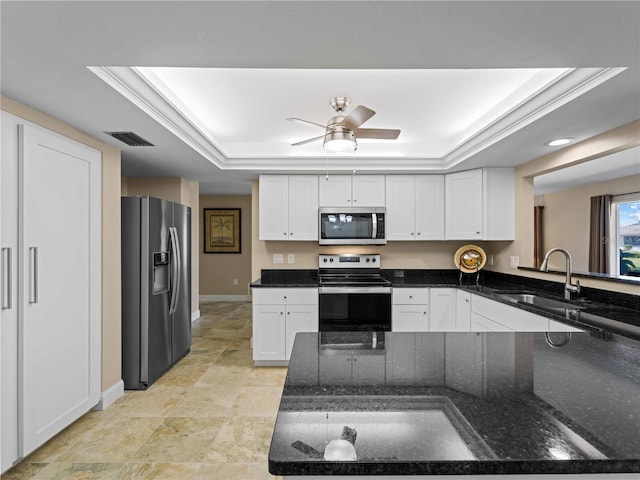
{"type": "Point", "coordinates": [195, 315]}
{"type": "Point", "coordinates": [225, 298]}
{"type": "Point", "coordinates": [110, 395]}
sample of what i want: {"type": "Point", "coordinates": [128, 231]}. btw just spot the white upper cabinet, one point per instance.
{"type": "Point", "coordinates": [288, 207]}
{"type": "Point", "coordinates": [352, 191]}
{"type": "Point", "coordinates": [415, 207]}
{"type": "Point", "coordinates": [479, 204]}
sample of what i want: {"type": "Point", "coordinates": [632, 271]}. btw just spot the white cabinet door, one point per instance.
{"type": "Point", "coordinates": [368, 190]}
{"type": "Point", "coordinates": [351, 191]}
{"type": "Point", "coordinates": [463, 311]}
{"type": "Point", "coordinates": [442, 309]}
{"type": "Point", "coordinates": [303, 207]}
{"type": "Point", "coordinates": [400, 204]}
{"type": "Point", "coordinates": [9, 286]}
{"type": "Point", "coordinates": [498, 193]}
{"type": "Point", "coordinates": [463, 205]}
{"type": "Point", "coordinates": [299, 318]}
{"type": "Point", "coordinates": [483, 324]}
{"type": "Point", "coordinates": [429, 207]}
{"type": "Point", "coordinates": [274, 207]}
{"type": "Point", "coordinates": [269, 332]}
{"type": "Point", "coordinates": [278, 314]}
{"type": "Point", "coordinates": [334, 191]}
{"type": "Point", "coordinates": [410, 318]}
{"type": "Point", "coordinates": [60, 211]}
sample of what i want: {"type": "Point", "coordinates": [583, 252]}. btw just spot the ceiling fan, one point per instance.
{"type": "Point", "coordinates": [342, 131]}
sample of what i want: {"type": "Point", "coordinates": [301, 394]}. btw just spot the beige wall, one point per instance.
{"type": "Point", "coordinates": [111, 309]}
{"type": "Point", "coordinates": [621, 138]}
{"type": "Point", "coordinates": [566, 218]}
{"type": "Point", "coordinates": [217, 271]}
{"type": "Point", "coordinates": [179, 190]}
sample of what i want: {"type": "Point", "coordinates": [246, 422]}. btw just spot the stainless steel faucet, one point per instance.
{"type": "Point", "coordinates": [568, 286]}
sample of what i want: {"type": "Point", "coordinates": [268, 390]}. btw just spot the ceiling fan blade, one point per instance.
{"type": "Point", "coordinates": [309, 140]}
{"type": "Point", "coordinates": [357, 117]}
{"type": "Point", "coordinates": [381, 133]}
{"type": "Point", "coordinates": [305, 122]}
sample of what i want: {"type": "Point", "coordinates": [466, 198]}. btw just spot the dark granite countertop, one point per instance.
{"type": "Point", "coordinates": [599, 311]}
{"type": "Point", "coordinates": [459, 403]}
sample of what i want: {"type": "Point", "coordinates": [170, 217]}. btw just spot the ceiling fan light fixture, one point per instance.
{"type": "Point", "coordinates": [340, 141]}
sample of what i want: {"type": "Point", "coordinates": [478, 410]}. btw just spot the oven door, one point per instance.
{"type": "Point", "coordinates": [351, 309]}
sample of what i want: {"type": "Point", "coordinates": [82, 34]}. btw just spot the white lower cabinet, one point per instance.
{"type": "Point", "coordinates": [489, 315]}
{"type": "Point", "coordinates": [410, 310]}
{"type": "Point", "coordinates": [51, 302]}
{"type": "Point", "coordinates": [442, 309]}
{"type": "Point", "coordinates": [278, 314]}
{"type": "Point", "coordinates": [463, 311]}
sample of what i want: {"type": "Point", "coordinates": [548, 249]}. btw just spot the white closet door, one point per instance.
{"type": "Point", "coordinates": [9, 450]}
{"type": "Point", "coordinates": [60, 337]}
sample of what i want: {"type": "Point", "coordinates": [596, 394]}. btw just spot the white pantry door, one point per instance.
{"type": "Point", "coordinates": [60, 264]}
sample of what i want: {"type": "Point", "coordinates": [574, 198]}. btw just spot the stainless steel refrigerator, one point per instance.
{"type": "Point", "coordinates": [156, 288]}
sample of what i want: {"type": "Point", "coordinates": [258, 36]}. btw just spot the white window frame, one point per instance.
{"type": "Point", "coordinates": [614, 240]}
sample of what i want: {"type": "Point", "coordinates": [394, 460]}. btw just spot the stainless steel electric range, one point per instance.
{"type": "Point", "coordinates": [353, 296]}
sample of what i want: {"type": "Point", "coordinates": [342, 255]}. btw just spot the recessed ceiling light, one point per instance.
{"type": "Point", "coordinates": [559, 141]}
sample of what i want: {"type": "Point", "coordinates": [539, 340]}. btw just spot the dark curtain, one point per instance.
{"type": "Point", "coordinates": [599, 234]}
{"type": "Point", "coordinates": [538, 247]}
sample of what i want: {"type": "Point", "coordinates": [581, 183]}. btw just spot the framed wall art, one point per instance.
{"type": "Point", "coordinates": [222, 230]}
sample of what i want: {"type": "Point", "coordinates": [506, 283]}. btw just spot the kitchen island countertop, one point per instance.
{"type": "Point", "coordinates": [460, 403]}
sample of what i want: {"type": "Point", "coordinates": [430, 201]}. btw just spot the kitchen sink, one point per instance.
{"type": "Point", "coordinates": [436, 431]}
{"type": "Point", "coordinates": [538, 301]}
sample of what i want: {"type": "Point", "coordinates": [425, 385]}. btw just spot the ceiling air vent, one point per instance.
{"type": "Point", "coordinates": [130, 139]}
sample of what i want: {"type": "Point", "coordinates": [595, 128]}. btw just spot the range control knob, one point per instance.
{"type": "Point", "coordinates": [368, 260]}
{"type": "Point", "coordinates": [331, 260]}
{"type": "Point", "coordinates": [373, 259]}
{"type": "Point", "coordinates": [324, 260]}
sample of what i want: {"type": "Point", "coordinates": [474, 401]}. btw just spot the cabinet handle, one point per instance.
{"type": "Point", "coordinates": [418, 233]}
{"type": "Point", "coordinates": [410, 296]}
{"type": "Point", "coordinates": [291, 233]}
{"type": "Point", "coordinates": [6, 279]}
{"type": "Point", "coordinates": [355, 200]}
{"type": "Point", "coordinates": [33, 264]}
{"type": "Point", "coordinates": [355, 359]}
{"type": "Point", "coordinates": [281, 313]}
{"type": "Point", "coordinates": [411, 233]}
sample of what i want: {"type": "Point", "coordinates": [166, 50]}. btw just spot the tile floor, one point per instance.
{"type": "Point", "coordinates": [210, 417]}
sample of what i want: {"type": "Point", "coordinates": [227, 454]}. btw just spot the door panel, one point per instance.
{"type": "Point", "coordinates": [9, 283]}
{"type": "Point", "coordinates": [159, 326]}
{"type": "Point", "coordinates": [181, 321]}
{"type": "Point", "coordinates": [58, 376]}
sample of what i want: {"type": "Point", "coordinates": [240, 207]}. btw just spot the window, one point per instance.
{"type": "Point", "coordinates": [625, 234]}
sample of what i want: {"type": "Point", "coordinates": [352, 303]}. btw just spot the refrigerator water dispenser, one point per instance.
{"type": "Point", "coordinates": [160, 272]}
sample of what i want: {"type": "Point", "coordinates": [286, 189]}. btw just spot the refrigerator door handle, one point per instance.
{"type": "Point", "coordinates": [176, 268]}
{"type": "Point", "coordinates": [6, 279]}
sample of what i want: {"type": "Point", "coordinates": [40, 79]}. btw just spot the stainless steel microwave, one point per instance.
{"type": "Point", "coordinates": [352, 226]}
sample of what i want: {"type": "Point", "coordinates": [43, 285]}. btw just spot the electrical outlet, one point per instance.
{"type": "Point", "coordinates": [235, 281]}
{"type": "Point", "coordinates": [291, 258]}
{"type": "Point", "coordinates": [490, 260]}
{"type": "Point", "coordinates": [278, 258]}
{"type": "Point", "coordinates": [514, 262]}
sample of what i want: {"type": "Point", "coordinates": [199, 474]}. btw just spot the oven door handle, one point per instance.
{"type": "Point", "coordinates": [346, 290]}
